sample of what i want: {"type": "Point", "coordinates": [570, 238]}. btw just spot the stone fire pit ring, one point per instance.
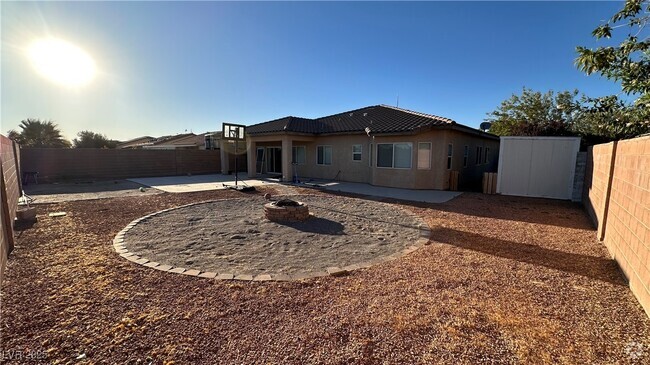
{"type": "Point", "coordinates": [286, 210]}
{"type": "Point", "coordinates": [231, 238]}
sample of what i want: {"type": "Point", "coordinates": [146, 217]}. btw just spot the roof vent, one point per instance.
{"type": "Point", "coordinates": [365, 114]}
{"type": "Point", "coordinates": [351, 114]}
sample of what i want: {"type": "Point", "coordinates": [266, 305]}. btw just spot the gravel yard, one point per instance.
{"type": "Point", "coordinates": [504, 280]}
{"type": "Point", "coordinates": [232, 236]}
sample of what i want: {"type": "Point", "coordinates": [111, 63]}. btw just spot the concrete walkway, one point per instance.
{"type": "Point", "coordinates": [428, 196]}
{"type": "Point", "coordinates": [186, 184]}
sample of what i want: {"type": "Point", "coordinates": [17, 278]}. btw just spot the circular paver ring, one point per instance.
{"type": "Point", "coordinates": [119, 245]}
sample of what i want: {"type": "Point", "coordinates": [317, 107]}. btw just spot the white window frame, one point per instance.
{"type": "Point", "coordinates": [393, 161]}
{"type": "Point", "coordinates": [331, 155]}
{"type": "Point", "coordinates": [450, 155]}
{"type": "Point", "coordinates": [429, 157]}
{"type": "Point", "coordinates": [296, 155]}
{"type": "Point", "coordinates": [360, 153]}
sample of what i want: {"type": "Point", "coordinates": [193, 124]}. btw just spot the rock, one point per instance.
{"type": "Point", "coordinates": [237, 237]}
{"type": "Point", "coordinates": [267, 196]}
{"type": "Point", "coordinates": [81, 357]}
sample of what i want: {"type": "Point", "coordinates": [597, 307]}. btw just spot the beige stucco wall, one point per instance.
{"type": "Point", "coordinates": [344, 168]}
{"type": "Point", "coordinates": [470, 177]}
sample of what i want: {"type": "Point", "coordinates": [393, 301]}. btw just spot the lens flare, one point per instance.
{"type": "Point", "coordinates": [61, 62]}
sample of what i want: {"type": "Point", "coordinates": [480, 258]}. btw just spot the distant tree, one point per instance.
{"type": "Point", "coordinates": [534, 114]}
{"type": "Point", "coordinates": [37, 133]}
{"type": "Point", "coordinates": [609, 118]}
{"type": "Point", "coordinates": [627, 61]}
{"type": "Point", "coordinates": [88, 139]}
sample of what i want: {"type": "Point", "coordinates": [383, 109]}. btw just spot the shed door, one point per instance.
{"type": "Point", "coordinates": [537, 167]}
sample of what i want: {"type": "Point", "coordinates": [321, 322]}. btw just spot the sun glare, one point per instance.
{"type": "Point", "coordinates": [61, 62]}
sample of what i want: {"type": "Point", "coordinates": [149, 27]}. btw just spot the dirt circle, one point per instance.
{"type": "Point", "coordinates": [233, 237]}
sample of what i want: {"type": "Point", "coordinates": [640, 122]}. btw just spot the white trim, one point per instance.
{"type": "Point", "coordinates": [360, 153]}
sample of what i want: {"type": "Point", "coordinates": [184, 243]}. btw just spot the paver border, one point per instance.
{"type": "Point", "coordinates": [120, 248]}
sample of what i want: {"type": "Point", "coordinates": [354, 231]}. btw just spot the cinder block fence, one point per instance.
{"type": "Point", "coordinates": [617, 197]}
{"type": "Point", "coordinates": [9, 194]}
{"type": "Point", "coordinates": [57, 164]}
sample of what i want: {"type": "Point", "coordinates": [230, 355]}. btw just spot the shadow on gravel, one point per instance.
{"type": "Point", "coordinates": [590, 266]}
{"type": "Point", "coordinates": [514, 208]}
{"type": "Point", "coordinates": [317, 225]}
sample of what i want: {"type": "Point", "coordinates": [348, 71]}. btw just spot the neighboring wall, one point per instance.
{"type": "Point", "coordinates": [579, 178]}
{"type": "Point", "coordinates": [9, 192]}
{"type": "Point", "coordinates": [617, 197]}
{"type": "Point", "coordinates": [56, 164]}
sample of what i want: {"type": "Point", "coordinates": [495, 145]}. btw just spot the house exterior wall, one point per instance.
{"type": "Point", "coordinates": [470, 177]}
{"type": "Point", "coordinates": [344, 168]}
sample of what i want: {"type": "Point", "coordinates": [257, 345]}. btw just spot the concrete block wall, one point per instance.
{"type": "Point", "coordinates": [618, 195]}
{"type": "Point", "coordinates": [10, 192]}
{"type": "Point", "coordinates": [579, 179]}
{"type": "Point", "coordinates": [58, 164]}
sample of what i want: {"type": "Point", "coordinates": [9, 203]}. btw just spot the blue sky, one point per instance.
{"type": "Point", "coordinates": [169, 67]}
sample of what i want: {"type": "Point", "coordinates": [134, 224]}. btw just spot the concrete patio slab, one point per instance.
{"type": "Point", "coordinates": [428, 196]}
{"type": "Point", "coordinates": [186, 184]}
{"type": "Point", "coordinates": [84, 190]}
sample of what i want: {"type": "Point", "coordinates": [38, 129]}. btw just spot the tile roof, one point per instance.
{"type": "Point", "coordinates": [379, 118]}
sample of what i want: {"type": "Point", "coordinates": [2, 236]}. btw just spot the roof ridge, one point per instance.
{"type": "Point", "coordinates": [432, 116]}
{"type": "Point", "coordinates": [348, 112]}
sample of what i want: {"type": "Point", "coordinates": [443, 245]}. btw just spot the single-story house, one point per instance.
{"type": "Point", "coordinates": [379, 145]}
{"type": "Point", "coordinates": [179, 141]}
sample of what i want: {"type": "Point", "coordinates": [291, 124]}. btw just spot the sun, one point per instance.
{"type": "Point", "coordinates": [61, 62]}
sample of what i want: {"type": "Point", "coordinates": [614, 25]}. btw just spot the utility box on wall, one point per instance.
{"type": "Point", "coordinates": [541, 167]}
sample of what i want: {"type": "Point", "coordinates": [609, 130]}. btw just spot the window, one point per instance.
{"type": "Point", "coordinates": [324, 155]}
{"type": "Point", "coordinates": [356, 152]}
{"type": "Point", "coordinates": [298, 155]}
{"type": "Point", "coordinates": [465, 156]}
{"type": "Point", "coordinates": [486, 159]}
{"type": "Point", "coordinates": [479, 153]}
{"type": "Point", "coordinates": [394, 155]}
{"type": "Point", "coordinates": [424, 155]}
{"type": "Point", "coordinates": [450, 153]}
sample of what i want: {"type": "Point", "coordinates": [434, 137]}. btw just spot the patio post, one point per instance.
{"type": "Point", "coordinates": [287, 168]}
{"type": "Point", "coordinates": [251, 157]}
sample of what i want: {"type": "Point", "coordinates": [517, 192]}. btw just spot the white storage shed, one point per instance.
{"type": "Point", "coordinates": [537, 166]}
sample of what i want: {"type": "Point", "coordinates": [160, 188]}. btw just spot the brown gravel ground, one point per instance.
{"type": "Point", "coordinates": [505, 280]}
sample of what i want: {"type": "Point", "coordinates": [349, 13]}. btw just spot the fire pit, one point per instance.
{"type": "Point", "coordinates": [286, 210]}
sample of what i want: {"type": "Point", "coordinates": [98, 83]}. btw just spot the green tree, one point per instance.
{"type": "Point", "coordinates": [628, 61]}
{"type": "Point", "coordinates": [609, 118]}
{"type": "Point", "coordinates": [535, 114]}
{"type": "Point", "coordinates": [88, 139]}
{"type": "Point", "coordinates": [37, 133]}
